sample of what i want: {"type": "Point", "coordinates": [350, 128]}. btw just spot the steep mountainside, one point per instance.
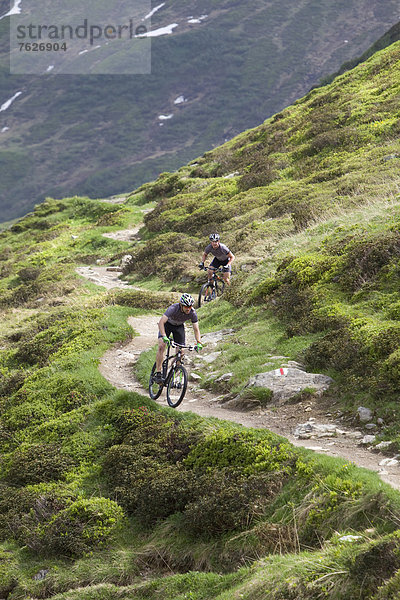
{"type": "Point", "coordinates": [309, 203]}
{"type": "Point", "coordinates": [225, 67]}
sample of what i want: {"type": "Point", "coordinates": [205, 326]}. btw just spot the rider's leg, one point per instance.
{"type": "Point", "coordinates": [227, 277]}
{"type": "Point", "coordinates": [179, 337]}
{"type": "Point", "coordinates": [160, 354]}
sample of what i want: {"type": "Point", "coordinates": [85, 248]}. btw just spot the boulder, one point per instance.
{"type": "Point", "coordinates": [285, 383]}
{"type": "Point", "coordinates": [364, 414]}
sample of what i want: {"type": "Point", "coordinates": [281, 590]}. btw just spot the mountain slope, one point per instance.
{"type": "Point", "coordinates": [309, 204]}
{"type": "Point", "coordinates": [100, 135]}
{"type": "Point", "coordinates": [104, 494]}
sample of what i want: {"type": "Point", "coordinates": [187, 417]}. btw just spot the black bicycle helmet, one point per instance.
{"type": "Point", "coordinates": [214, 237]}
{"type": "Point", "coordinates": [186, 300]}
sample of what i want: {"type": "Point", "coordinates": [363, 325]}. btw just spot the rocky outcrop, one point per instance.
{"type": "Point", "coordinates": [285, 383]}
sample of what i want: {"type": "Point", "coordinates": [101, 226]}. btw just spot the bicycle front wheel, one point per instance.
{"type": "Point", "coordinates": [206, 294]}
{"type": "Point", "coordinates": [177, 384]}
{"type": "Point", "coordinates": [155, 389]}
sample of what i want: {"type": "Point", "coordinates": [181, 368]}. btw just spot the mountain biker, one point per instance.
{"type": "Point", "coordinates": [172, 321]}
{"type": "Point", "coordinates": [223, 257]}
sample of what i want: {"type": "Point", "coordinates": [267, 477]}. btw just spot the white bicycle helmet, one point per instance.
{"type": "Point", "coordinates": [186, 300]}
{"type": "Point", "coordinates": [214, 237]}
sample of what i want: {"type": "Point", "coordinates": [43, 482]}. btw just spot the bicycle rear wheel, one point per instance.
{"type": "Point", "coordinates": [176, 387]}
{"type": "Point", "coordinates": [206, 294]}
{"type": "Point", "coordinates": [155, 389]}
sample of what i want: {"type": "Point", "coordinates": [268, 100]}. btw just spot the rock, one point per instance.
{"type": "Point", "coordinates": [240, 403]}
{"type": "Point", "coordinates": [216, 336]}
{"type": "Point", "coordinates": [41, 575]}
{"type": "Point", "coordinates": [371, 426]}
{"type": "Point", "coordinates": [224, 377]}
{"type": "Point", "coordinates": [389, 462]}
{"type": "Point", "coordinates": [305, 431]}
{"type": "Point", "coordinates": [368, 439]}
{"type": "Point", "coordinates": [114, 269]}
{"type": "Point", "coordinates": [380, 421]}
{"type": "Point", "coordinates": [354, 434]}
{"type": "Point", "coordinates": [383, 445]}
{"type": "Point", "coordinates": [195, 377]}
{"type": "Point", "coordinates": [350, 538]}
{"type": "Point", "coordinates": [294, 364]}
{"type": "Point", "coordinates": [364, 414]}
{"type": "Point", "coordinates": [209, 358]}
{"type": "Point", "coordinates": [126, 260]}
{"type": "Point", "coordinates": [285, 383]}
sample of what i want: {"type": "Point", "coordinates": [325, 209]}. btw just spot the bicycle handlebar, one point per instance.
{"type": "Point", "coordinates": [176, 345]}
{"type": "Point", "coordinates": [213, 268]}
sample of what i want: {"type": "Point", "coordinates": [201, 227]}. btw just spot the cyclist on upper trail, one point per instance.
{"type": "Point", "coordinates": [223, 257]}
{"type": "Point", "coordinates": [173, 321]}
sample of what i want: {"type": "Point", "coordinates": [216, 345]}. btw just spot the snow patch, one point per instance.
{"type": "Point", "coordinates": [153, 11]}
{"type": "Point", "coordinates": [9, 102]}
{"type": "Point", "coordinates": [49, 68]}
{"type": "Point", "coordinates": [157, 32]}
{"type": "Point", "coordinates": [180, 99]}
{"type": "Point", "coordinates": [165, 117]}
{"type": "Point", "coordinates": [16, 10]}
{"type": "Point", "coordinates": [5, 129]}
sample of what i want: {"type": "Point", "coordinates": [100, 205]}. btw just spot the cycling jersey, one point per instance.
{"type": "Point", "coordinates": [221, 253]}
{"type": "Point", "coordinates": [176, 316]}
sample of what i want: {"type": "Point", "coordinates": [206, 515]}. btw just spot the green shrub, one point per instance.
{"type": "Point", "coordinates": [226, 501]}
{"type": "Point", "coordinates": [142, 299]}
{"type": "Point", "coordinates": [83, 526]}
{"type": "Point", "coordinates": [23, 509]}
{"type": "Point", "coordinates": [167, 184]}
{"type": "Point", "coordinates": [153, 434]}
{"type": "Point", "coordinates": [242, 452]}
{"type": "Point", "coordinates": [376, 564]}
{"type": "Point", "coordinates": [168, 491]}
{"type": "Point", "coordinates": [35, 464]}
{"type": "Point", "coordinates": [8, 573]}
{"type": "Point", "coordinates": [127, 473]}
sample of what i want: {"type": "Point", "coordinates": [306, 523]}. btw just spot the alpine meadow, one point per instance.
{"type": "Point", "coordinates": [108, 495]}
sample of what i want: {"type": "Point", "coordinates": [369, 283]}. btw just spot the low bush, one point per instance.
{"type": "Point", "coordinates": [226, 500]}
{"type": "Point", "coordinates": [142, 299]}
{"type": "Point", "coordinates": [8, 573]}
{"type": "Point", "coordinates": [35, 464]}
{"type": "Point", "coordinates": [168, 491]}
{"type": "Point", "coordinates": [242, 452]}
{"type": "Point", "coordinates": [83, 526]}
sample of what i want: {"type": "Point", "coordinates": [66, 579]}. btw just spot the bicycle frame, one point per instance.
{"type": "Point", "coordinates": [166, 375]}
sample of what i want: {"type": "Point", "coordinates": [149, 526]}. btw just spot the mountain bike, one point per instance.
{"type": "Point", "coordinates": [213, 288]}
{"type": "Point", "coordinates": [175, 379]}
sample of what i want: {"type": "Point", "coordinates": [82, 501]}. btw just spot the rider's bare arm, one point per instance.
{"type": "Point", "coordinates": [196, 331]}
{"type": "Point", "coordinates": [161, 324]}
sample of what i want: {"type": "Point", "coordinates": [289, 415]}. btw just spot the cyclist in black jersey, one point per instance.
{"type": "Point", "coordinates": [223, 257]}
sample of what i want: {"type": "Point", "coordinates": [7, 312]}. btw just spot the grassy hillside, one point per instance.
{"type": "Point", "coordinates": [101, 135]}
{"type": "Point", "coordinates": [309, 203]}
{"type": "Point", "coordinates": [104, 494]}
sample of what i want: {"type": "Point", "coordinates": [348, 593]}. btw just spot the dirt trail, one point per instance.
{"type": "Point", "coordinates": [117, 367]}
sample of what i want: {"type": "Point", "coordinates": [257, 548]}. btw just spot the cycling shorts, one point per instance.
{"type": "Point", "coordinates": [220, 263]}
{"type": "Point", "coordinates": [178, 332]}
